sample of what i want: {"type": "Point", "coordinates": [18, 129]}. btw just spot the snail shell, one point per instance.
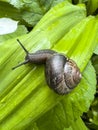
{"type": "Point", "coordinates": [62, 74]}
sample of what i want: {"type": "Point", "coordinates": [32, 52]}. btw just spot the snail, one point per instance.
{"type": "Point", "coordinates": [62, 74]}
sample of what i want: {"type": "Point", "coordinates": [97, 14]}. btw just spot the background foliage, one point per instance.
{"type": "Point", "coordinates": [67, 26]}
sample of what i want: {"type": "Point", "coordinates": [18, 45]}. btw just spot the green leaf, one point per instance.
{"type": "Point", "coordinates": [94, 108]}
{"type": "Point", "coordinates": [79, 125]}
{"type": "Point", "coordinates": [92, 6]}
{"type": "Point", "coordinates": [7, 10]}
{"type": "Point", "coordinates": [33, 11]}
{"type": "Point", "coordinates": [92, 115]}
{"type": "Point", "coordinates": [95, 63]}
{"type": "Point", "coordinates": [79, 1]}
{"type": "Point", "coordinates": [24, 94]}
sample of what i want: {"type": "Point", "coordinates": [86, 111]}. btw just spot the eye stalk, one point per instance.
{"type": "Point", "coordinates": [27, 53]}
{"type": "Point", "coordinates": [20, 64]}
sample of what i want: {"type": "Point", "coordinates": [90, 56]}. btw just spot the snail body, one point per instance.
{"type": "Point", "coordinates": [62, 74]}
